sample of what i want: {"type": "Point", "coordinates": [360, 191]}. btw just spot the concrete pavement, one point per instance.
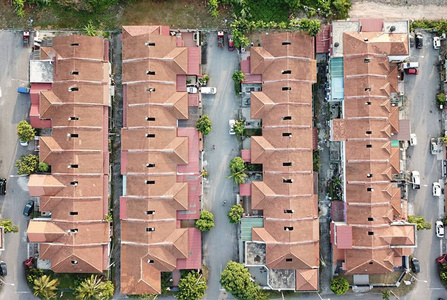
{"type": "Point", "coordinates": [14, 61]}
{"type": "Point", "coordinates": [220, 244]}
{"type": "Point", "coordinates": [425, 122]}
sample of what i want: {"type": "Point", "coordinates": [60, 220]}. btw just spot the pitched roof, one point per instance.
{"type": "Point", "coordinates": [77, 151]}
{"type": "Point", "coordinates": [286, 193]}
{"type": "Point", "coordinates": [154, 153]}
{"type": "Point", "coordinates": [370, 120]}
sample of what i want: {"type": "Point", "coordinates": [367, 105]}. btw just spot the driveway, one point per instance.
{"type": "Point", "coordinates": [14, 63]}
{"type": "Point", "coordinates": [425, 122]}
{"type": "Point", "coordinates": [220, 244]}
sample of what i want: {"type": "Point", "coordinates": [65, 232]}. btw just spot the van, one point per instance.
{"type": "Point", "coordinates": [208, 90]}
{"type": "Point", "coordinates": [410, 65]}
{"type": "Point", "coordinates": [419, 41]}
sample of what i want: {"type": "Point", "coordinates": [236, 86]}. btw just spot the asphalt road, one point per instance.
{"type": "Point", "coordinates": [220, 244]}
{"type": "Point", "coordinates": [425, 122]}
{"type": "Point", "coordinates": [14, 61]}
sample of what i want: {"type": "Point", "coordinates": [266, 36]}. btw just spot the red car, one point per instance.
{"type": "Point", "coordinates": [29, 262]}
{"type": "Point", "coordinates": [412, 71]}
{"type": "Point", "coordinates": [230, 43]}
{"type": "Point", "coordinates": [442, 259]}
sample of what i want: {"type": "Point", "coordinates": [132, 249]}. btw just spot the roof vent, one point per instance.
{"type": "Point", "coordinates": [75, 183]}
{"type": "Point", "coordinates": [74, 230]}
{"type": "Point", "coordinates": [150, 119]}
{"type": "Point", "coordinates": [370, 219]}
{"type": "Point", "coordinates": [73, 166]}
{"type": "Point", "coordinates": [288, 134]}
{"type": "Point", "coordinates": [150, 261]}
{"type": "Point", "coordinates": [287, 164]}
{"type": "Point", "coordinates": [288, 211]}
{"type": "Point", "coordinates": [288, 259]}
{"type": "Point", "coordinates": [336, 44]}
{"type": "Point", "coordinates": [73, 135]}
{"type": "Point", "coordinates": [369, 189]}
{"type": "Point", "coordinates": [74, 44]}
{"type": "Point", "coordinates": [150, 72]}
{"type": "Point", "coordinates": [369, 175]}
{"type": "Point", "coordinates": [287, 118]}
{"type": "Point", "coordinates": [367, 60]}
{"type": "Point", "coordinates": [151, 89]}
{"type": "Point", "coordinates": [150, 229]}
{"type": "Point", "coordinates": [150, 181]}
{"type": "Point", "coordinates": [150, 212]}
{"type": "Point", "coordinates": [150, 165]}
{"type": "Point", "coordinates": [150, 44]}
{"type": "Point", "coordinates": [287, 228]}
{"type": "Point", "coordinates": [74, 262]}
{"type": "Point", "coordinates": [73, 89]}
{"type": "Point", "coordinates": [286, 72]}
{"type": "Point", "coordinates": [73, 118]}
{"type": "Point", "coordinates": [150, 135]}
{"type": "Point", "coordinates": [287, 180]}
{"type": "Point", "coordinates": [365, 39]}
{"type": "Point", "coordinates": [286, 43]}
{"type": "Point", "coordinates": [74, 73]}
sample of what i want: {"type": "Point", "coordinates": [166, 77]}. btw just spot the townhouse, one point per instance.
{"type": "Point", "coordinates": [160, 157]}
{"type": "Point", "coordinates": [70, 99]}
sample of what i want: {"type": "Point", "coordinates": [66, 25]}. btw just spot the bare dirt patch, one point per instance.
{"type": "Point", "coordinates": [366, 9]}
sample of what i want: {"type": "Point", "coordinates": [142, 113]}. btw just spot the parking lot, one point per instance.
{"type": "Point", "coordinates": [425, 117]}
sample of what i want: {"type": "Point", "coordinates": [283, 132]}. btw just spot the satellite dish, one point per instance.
{"type": "Point", "coordinates": [393, 28]}
{"type": "Point", "coordinates": [336, 44]}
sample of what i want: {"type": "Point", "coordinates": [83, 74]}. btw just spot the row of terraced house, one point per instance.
{"type": "Point", "coordinates": [160, 155]}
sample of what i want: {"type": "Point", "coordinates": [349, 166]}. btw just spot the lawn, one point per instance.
{"type": "Point", "coordinates": [175, 13]}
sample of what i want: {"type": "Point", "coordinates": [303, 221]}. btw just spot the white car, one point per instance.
{"type": "Point", "coordinates": [413, 139]}
{"type": "Point", "coordinates": [436, 189]}
{"type": "Point", "coordinates": [436, 43]}
{"type": "Point", "coordinates": [231, 123]}
{"type": "Point", "coordinates": [208, 90]}
{"type": "Point", "coordinates": [191, 89]}
{"type": "Point", "coordinates": [439, 229]}
{"type": "Point", "coordinates": [433, 146]}
{"type": "Point", "coordinates": [416, 180]}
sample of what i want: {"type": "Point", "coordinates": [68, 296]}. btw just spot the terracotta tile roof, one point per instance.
{"type": "Point", "coordinates": [286, 194]}
{"type": "Point", "coordinates": [370, 123]}
{"type": "Point", "coordinates": [160, 162]}
{"type": "Point", "coordinates": [306, 280]}
{"type": "Point", "coordinates": [77, 150]}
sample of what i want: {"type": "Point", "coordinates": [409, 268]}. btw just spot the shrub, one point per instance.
{"type": "Point", "coordinates": [27, 164]}
{"type": "Point", "coordinates": [339, 285]}
{"type": "Point", "coordinates": [204, 124]}
{"type": "Point", "coordinates": [43, 167]}
{"type": "Point", "coordinates": [239, 127]}
{"type": "Point", "coordinates": [419, 221]}
{"type": "Point", "coordinates": [235, 213]}
{"type": "Point", "coordinates": [440, 99]}
{"type": "Point", "coordinates": [205, 222]}
{"type": "Point", "coordinates": [25, 131]}
{"type": "Point", "coordinates": [8, 226]}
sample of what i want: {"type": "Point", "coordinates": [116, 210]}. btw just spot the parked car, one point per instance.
{"type": "Point", "coordinates": [23, 90]}
{"type": "Point", "coordinates": [439, 229]}
{"type": "Point", "coordinates": [412, 71]}
{"type": "Point", "coordinates": [231, 123]}
{"type": "Point", "coordinates": [413, 139]}
{"type": "Point", "coordinates": [208, 90]}
{"type": "Point", "coordinates": [416, 180]}
{"type": "Point", "coordinates": [436, 189]}
{"type": "Point", "coordinates": [419, 41]}
{"type": "Point", "coordinates": [230, 43]}
{"type": "Point", "coordinates": [2, 186]}
{"type": "Point", "coordinates": [28, 209]}
{"type": "Point", "coordinates": [29, 262]}
{"type": "Point", "coordinates": [433, 146]}
{"type": "Point", "coordinates": [415, 266]}
{"type": "Point", "coordinates": [436, 42]}
{"type": "Point", "coordinates": [3, 269]}
{"type": "Point", "coordinates": [442, 259]}
{"type": "Point", "coordinates": [191, 89]}
{"type": "Point", "coordinates": [410, 65]}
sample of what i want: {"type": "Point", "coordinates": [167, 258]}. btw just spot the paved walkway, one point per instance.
{"type": "Point", "coordinates": [220, 244]}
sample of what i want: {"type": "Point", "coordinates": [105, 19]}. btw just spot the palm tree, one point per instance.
{"type": "Point", "coordinates": [45, 286]}
{"type": "Point", "coordinates": [90, 288]}
{"type": "Point", "coordinates": [238, 177]}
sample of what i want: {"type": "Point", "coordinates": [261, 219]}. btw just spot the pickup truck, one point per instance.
{"type": "Point", "coordinates": [416, 180]}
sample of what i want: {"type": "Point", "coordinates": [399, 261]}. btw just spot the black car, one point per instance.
{"type": "Point", "coordinates": [3, 269]}
{"type": "Point", "coordinates": [419, 41]}
{"type": "Point", "coordinates": [415, 265]}
{"type": "Point", "coordinates": [3, 186]}
{"type": "Point", "coordinates": [28, 208]}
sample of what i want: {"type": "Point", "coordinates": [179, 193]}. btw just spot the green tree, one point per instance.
{"type": "Point", "coordinates": [238, 76]}
{"type": "Point", "coordinates": [27, 164]}
{"type": "Point", "coordinates": [43, 167]}
{"type": "Point", "coordinates": [235, 278]}
{"type": "Point", "coordinates": [94, 288]}
{"type": "Point", "coordinates": [45, 287]}
{"type": "Point", "coordinates": [341, 8]}
{"type": "Point", "coordinates": [442, 27]}
{"type": "Point", "coordinates": [237, 169]}
{"type": "Point", "coordinates": [25, 131]}
{"type": "Point", "coordinates": [90, 29]}
{"type": "Point", "coordinates": [204, 124]}
{"type": "Point", "coordinates": [191, 287]}
{"type": "Point", "coordinates": [419, 221]}
{"type": "Point", "coordinates": [235, 213]}
{"type": "Point", "coordinates": [8, 226]}
{"type": "Point", "coordinates": [206, 221]}
{"type": "Point", "coordinates": [440, 99]}
{"type": "Point", "coordinates": [339, 285]}
{"type": "Point", "coordinates": [239, 127]}
{"type": "Point", "coordinates": [386, 295]}
{"type": "Point", "coordinates": [311, 26]}
{"type": "Point", "coordinates": [213, 5]}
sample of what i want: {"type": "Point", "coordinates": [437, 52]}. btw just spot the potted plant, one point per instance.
{"type": "Point", "coordinates": [25, 132]}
